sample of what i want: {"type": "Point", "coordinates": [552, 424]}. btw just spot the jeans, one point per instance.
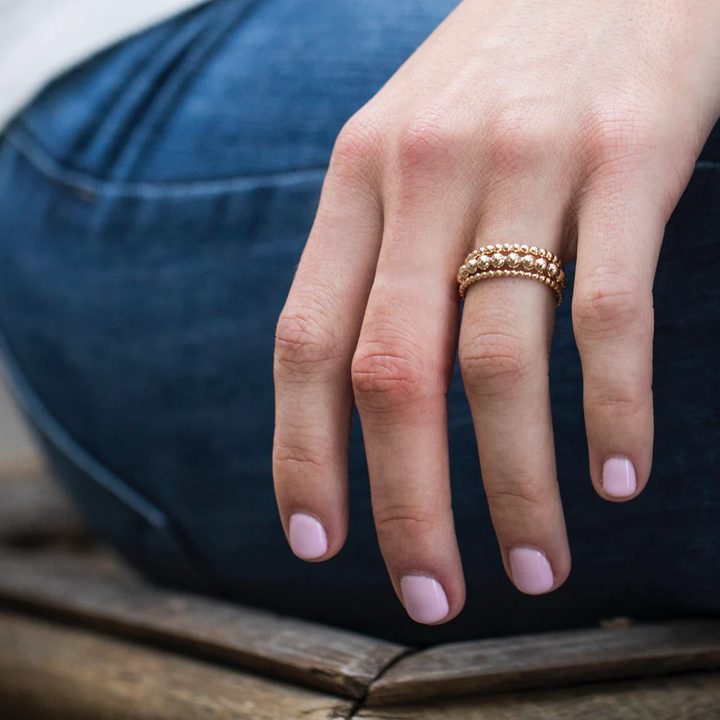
{"type": "Point", "coordinates": [154, 203]}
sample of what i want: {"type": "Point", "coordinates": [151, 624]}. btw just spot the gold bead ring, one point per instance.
{"type": "Point", "coordinates": [513, 261]}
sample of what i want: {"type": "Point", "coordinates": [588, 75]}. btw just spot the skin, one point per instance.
{"type": "Point", "coordinates": [572, 126]}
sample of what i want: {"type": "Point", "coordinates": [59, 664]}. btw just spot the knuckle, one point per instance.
{"type": "Point", "coordinates": [519, 495]}
{"type": "Point", "coordinates": [358, 144]}
{"type": "Point", "coordinates": [608, 304]}
{"type": "Point", "coordinates": [386, 376]}
{"type": "Point", "coordinates": [304, 342]}
{"type": "Point", "coordinates": [494, 362]}
{"type": "Point", "coordinates": [426, 141]}
{"type": "Point", "coordinates": [616, 132]}
{"type": "Point", "coordinates": [627, 400]}
{"type": "Point", "coordinates": [405, 521]}
{"type": "Point", "coordinates": [296, 456]}
{"type": "Point", "coordinates": [515, 146]}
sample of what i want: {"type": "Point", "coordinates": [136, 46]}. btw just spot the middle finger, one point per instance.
{"type": "Point", "coordinates": [401, 372]}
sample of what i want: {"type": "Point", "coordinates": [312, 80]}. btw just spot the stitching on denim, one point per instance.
{"type": "Point", "coordinates": [50, 168]}
{"type": "Point", "coordinates": [31, 403]}
{"type": "Point", "coordinates": [21, 141]}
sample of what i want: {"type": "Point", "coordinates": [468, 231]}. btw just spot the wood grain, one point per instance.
{"type": "Point", "coordinates": [561, 658]}
{"type": "Point", "coordinates": [33, 508]}
{"type": "Point", "coordinates": [97, 592]}
{"type": "Point", "coordinates": [49, 671]}
{"type": "Point", "coordinates": [684, 697]}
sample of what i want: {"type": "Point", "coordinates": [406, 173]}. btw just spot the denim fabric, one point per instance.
{"type": "Point", "coordinates": [153, 206]}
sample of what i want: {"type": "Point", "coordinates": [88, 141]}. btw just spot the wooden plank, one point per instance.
{"type": "Point", "coordinates": [53, 671]}
{"type": "Point", "coordinates": [560, 658]}
{"type": "Point", "coordinates": [93, 590]}
{"type": "Point", "coordinates": [21, 464]}
{"type": "Point", "coordinates": [33, 507]}
{"type": "Point", "coordinates": [684, 697]}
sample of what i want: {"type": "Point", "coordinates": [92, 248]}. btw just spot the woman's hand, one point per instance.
{"type": "Point", "coordinates": [571, 126]}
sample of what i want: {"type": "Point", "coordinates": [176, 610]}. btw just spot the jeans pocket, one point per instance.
{"type": "Point", "coordinates": [140, 531]}
{"type": "Point", "coordinates": [104, 115]}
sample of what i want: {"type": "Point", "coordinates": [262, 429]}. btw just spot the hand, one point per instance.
{"type": "Point", "coordinates": [571, 126]}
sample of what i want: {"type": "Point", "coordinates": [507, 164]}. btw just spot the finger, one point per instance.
{"type": "Point", "coordinates": [620, 229]}
{"type": "Point", "coordinates": [401, 372]}
{"type": "Point", "coordinates": [316, 336]}
{"type": "Point", "coordinates": [504, 356]}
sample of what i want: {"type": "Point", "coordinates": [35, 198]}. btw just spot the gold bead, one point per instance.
{"type": "Point", "coordinates": [513, 260]}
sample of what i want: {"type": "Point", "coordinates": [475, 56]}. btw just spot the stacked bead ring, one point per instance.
{"type": "Point", "coordinates": [513, 261]}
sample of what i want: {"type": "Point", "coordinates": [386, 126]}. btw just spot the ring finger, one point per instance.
{"type": "Point", "coordinates": [504, 355]}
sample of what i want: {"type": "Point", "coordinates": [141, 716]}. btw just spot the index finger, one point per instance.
{"type": "Point", "coordinates": [315, 340]}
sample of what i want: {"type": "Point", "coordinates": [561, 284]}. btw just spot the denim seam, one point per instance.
{"type": "Point", "coordinates": [50, 168]}
{"type": "Point", "coordinates": [36, 410]}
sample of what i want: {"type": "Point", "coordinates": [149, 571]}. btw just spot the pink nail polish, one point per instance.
{"type": "Point", "coordinates": [618, 477]}
{"type": "Point", "coordinates": [307, 537]}
{"type": "Point", "coordinates": [531, 571]}
{"type": "Point", "coordinates": [424, 599]}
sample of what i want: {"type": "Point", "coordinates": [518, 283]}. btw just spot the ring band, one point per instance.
{"type": "Point", "coordinates": [513, 261]}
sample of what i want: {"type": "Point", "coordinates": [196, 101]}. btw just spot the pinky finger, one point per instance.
{"type": "Point", "coordinates": [613, 322]}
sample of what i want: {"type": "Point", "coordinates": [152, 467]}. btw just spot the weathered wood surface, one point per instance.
{"type": "Point", "coordinates": [684, 697]}
{"type": "Point", "coordinates": [561, 658]}
{"type": "Point", "coordinates": [33, 508]}
{"type": "Point", "coordinates": [50, 671]}
{"type": "Point", "coordinates": [96, 592]}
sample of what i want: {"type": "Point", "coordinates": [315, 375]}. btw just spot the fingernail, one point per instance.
{"type": "Point", "coordinates": [618, 477]}
{"type": "Point", "coordinates": [307, 537]}
{"type": "Point", "coordinates": [424, 599]}
{"type": "Point", "coordinates": [531, 571]}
